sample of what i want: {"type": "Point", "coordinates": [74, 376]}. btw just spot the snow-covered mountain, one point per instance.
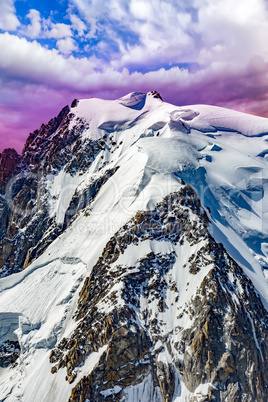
{"type": "Point", "coordinates": [134, 255]}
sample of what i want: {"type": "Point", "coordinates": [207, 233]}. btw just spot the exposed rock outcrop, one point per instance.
{"type": "Point", "coordinates": [120, 309]}
{"type": "Point", "coordinates": [9, 353]}
{"type": "Point", "coordinates": [26, 225]}
{"type": "Point", "coordinates": [9, 163]}
{"type": "Point", "coordinates": [227, 342]}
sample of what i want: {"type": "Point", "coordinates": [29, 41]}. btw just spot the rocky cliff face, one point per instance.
{"type": "Point", "coordinates": [135, 315]}
{"type": "Point", "coordinates": [9, 166]}
{"type": "Point", "coordinates": [133, 256]}
{"type": "Point", "coordinates": [25, 223]}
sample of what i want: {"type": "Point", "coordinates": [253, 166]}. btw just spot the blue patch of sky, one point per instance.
{"type": "Point", "coordinates": [157, 66]}
{"type": "Point", "coordinates": [46, 8]}
{"type": "Point", "coordinates": [86, 46]}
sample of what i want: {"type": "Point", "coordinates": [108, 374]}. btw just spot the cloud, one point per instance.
{"type": "Point", "coordinates": [33, 30]}
{"type": "Point", "coordinates": [232, 31]}
{"type": "Point", "coordinates": [57, 31]}
{"type": "Point", "coordinates": [25, 62]}
{"type": "Point", "coordinates": [78, 25]}
{"type": "Point", "coordinates": [28, 62]}
{"type": "Point", "coordinates": [41, 28]}
{"type": "Point", "coordinates": [145, 32]}
{"type": "Point", "coordinates": [168, 32]}
{"type": "Point", "coordinates": [66, 45]}
{"type": "Point", "coordinates": [8, 18]}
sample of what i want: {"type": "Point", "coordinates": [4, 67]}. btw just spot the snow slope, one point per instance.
{"type": "Point", "coordinates": [222, 154]}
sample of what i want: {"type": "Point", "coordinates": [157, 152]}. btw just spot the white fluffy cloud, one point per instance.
{"type": "Point", "coordinates": [213, 34]}
{"type": "Point", "coordinates": [8, 18]}
{"type": "Point", "coordinates": [57, 31]}
{"type": "Point", "coordinates": [66, 45]}
{"type": "Point", "coordinates": [232, 31]}
{"type": "Point", "coordinates": [29, 62]}
{"type": "Point", "coordinates": [164, 35]}
{"type": "Point", "coordinates": [172, 31]}
{"type": "Point", "coordinates": [78, 25]}
{"type": "Point", "coordinates": [161, 27]}
{"type": "Point", "coordinates": [157, 33]}
{"type": "Point", "coordinates": [34, 29]}
{"type": "Point", "coordinates": [45, 28]}
{"type": "Point", "coordinates": [23, 63]}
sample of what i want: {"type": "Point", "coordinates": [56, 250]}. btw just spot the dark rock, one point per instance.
{"type": "Point", "coordinates": [74, 103]}
{"type": "Point", "coordinates": [219, 324]}
{"type": "Point", "coordinates": [9, 353]}
{"type": "Point", "coordinates": [156, 95]}
{"type": "Point", "coordinates": [213, 351]}
{"type": "Point", "coordinates": [9, 164]}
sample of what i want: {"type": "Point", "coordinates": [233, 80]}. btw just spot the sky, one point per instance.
{"type": "Point", "coordinates": [192, 52]}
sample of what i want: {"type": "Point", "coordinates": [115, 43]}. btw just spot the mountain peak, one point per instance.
{"type": "Point", "coordinates": [136, 100]}
{"type": "Point", "coordinates": [134, 257]}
